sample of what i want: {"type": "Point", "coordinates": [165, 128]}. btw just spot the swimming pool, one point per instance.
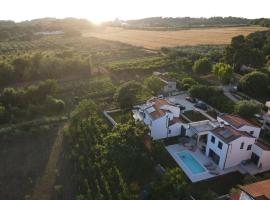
{"type": "Point", "coordinates": [194, 166]}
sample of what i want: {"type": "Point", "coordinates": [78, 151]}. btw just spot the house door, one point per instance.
{"type": "Point", "coordinates": [255, 158]}
{"type": "Point", "coordinates": [182, 131]}
{"type": "Point", "coordinates": [214, 156]}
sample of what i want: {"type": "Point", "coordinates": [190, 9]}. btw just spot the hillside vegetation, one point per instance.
{"type": "Point", "coordinates": [181, 22]}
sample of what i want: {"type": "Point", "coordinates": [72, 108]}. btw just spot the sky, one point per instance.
{"type": "Point", "coordinates": [99, 11]}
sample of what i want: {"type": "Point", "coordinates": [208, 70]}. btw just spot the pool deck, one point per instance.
{"type": "Point", "coordinates": [202, 159]}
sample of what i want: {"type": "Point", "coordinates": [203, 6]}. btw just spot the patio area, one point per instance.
{"type": "Point", "coordinates": [253, 169]}
{"type": "Point", "coordinates": [210, 169]}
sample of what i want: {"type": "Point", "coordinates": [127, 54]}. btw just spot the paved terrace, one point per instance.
{"type": "Point", "coordinates": [202, 159]}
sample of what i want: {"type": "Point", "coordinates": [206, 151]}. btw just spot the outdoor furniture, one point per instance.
{"type": "Point", "coordinates": [211, 168]}
{"type": "Point", "coordinates": [208, 164]}
{"type": "Point", "coordinates": [214, 172]}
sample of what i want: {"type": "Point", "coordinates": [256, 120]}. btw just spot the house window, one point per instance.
{"type": "Point", "coordinates": [251, 132]}
{"type": "Point", "coordinates": [220, 145]}
{"type": "Point", "coordinates": [213, 139]}
{"type": "Point", "coordinates": [242, 145]}
{"type": "Point", "coordinates": [249, 147]}
{"type": "Point", "coordinates": [170, 131]}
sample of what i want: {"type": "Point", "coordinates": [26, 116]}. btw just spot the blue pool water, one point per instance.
{"type": "Point", "coordinates": [193, 165]}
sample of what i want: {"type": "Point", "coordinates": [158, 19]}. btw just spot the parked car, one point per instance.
{"type": "Point", "coordinates": [180, 106]}
{"type": "Point", "coordinates": [258, 116]}
{"type": "Point", "coordinates": [201, 105]}
{"type": "Point", "coordinates": [191, 99]}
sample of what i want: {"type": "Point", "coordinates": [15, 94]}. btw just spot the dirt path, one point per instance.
{"type": "Point", "coordinates": [44, 185]}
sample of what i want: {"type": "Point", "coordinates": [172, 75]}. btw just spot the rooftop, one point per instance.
{"type": "Point", "coordinates": [166, 78]}
{"type": "Point", "coordinates": [228, 133]}
{"type": "Point", "coordinates": [175, 120]}
{"type": "Point", "coordinates": [155, 111]}
{"type": "Point", "coordinates": [263, 144]}
{"type": "Point", "coordinates": [259, 190]}
{"type": "Point", "coordinates": [202, 126]}
{"type": "Point", "coordinates": [235, 121]}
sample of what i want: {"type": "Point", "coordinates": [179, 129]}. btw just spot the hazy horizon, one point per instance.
{"type": "Point", "coordinates": [99, 11]}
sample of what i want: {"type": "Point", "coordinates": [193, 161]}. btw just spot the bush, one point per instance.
{"type": "Point", "coordinates": [254, 83]}
{"type": "Point", "coordinates": [154, 84]}
{"type": "Point", "coordinates": [213, 96]}
{"type": "Point", "coordinates": [128, 94]}
{"type": "Point", "coordinates": [184, 64]}
{"type": "Point", "coordinates": [55, 105]}
{"type": "Point", "coordinates": [223, 71]}
{"type": "Point", "coordinates": [202, 66]}
{"type": "Point", "coordinates": [246, 108]}
{"type": "Point", "coordinates": [187, 83]}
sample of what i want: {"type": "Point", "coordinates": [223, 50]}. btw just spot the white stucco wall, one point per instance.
{"type": "Point", "coordinates": [158, 129]}
{"type": "Point", "coordinates": [249, 129]}
{"type": "Point", "coordinates": [264, 156]}
{"type": "Point", "coordinates": [170, 87]}
{"type": "Point", "coordinates": [221, 152]}
{"type": "Point", "coordinates": [174, 129]}
{"type": "Point", "coordinates": [235, 154]}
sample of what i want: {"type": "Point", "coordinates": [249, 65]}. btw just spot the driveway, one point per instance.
{"type": "Point", "coordinates": [180, 99]}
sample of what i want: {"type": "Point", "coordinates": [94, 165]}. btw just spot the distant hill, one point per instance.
{"type": "Point", "coordinates": [10, 30]}
{"type": "Point", "coordinates": [261, 22]}
{"type": "Point", "coordinates": [181, 22]}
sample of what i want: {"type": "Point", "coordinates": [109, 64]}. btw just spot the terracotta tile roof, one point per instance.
{"type": "Point", "coordinates": [263, 144]}
{"type": "Point", "coordinates": [235, 121]}
{"type": "Point", "coordinates": [175, 120]}
{"type": "Point", "coordinates": [167, 78]}
{"type": "Point", "coordinates": [228, 133]}
{"type": "Point", "coordinates": [259, 190]}
{"type": "Point", "coordinates": [157, 104]}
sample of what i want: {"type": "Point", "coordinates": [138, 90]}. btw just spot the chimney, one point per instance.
{"type": "Point", "coordinates": [221, 125]}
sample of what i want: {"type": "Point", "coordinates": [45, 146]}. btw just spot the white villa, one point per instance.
{"type": "Point", "coordinates": [207, 148]}
{"type": "Point", "coordinates": [161, 116]}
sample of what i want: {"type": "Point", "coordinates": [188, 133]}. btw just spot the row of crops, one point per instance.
{"type": "Point", "coordinates": [141, 63]}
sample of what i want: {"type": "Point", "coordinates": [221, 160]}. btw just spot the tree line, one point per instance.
{"type": "Point", "coordinates": [41, 66]}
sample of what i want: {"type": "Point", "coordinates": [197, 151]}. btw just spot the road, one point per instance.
{"type": "Point", "coordinates": [227, 93]}
{"type": "Point", "coordinates": [44, 185]}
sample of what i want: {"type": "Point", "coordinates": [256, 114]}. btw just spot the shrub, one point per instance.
{"type": "Point", "coordinates": [213, 96]}
{"type": "Point", "coordinates": [187, 83]}
{"type": "Point", "coordinates": [254, 83]}
{"type": "Point", "coordinates": [246, 109]}
{"type": "Point", "coordinates": [128, 94]}
{"type": "Point", "coordinates": [154, 84]}
{"type": "Point", "coordinates": [223, 71]}
{"type": "Point", "coordinates": [202, 66]}
{"type": "Point", "coordinates": [55, 105]}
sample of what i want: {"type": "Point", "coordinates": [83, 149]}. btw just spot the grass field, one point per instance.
{"type": "Point", "coordinates": [158, 39]}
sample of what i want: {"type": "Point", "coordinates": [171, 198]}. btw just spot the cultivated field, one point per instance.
{"type": "Point", "coordinates": [158, 39]}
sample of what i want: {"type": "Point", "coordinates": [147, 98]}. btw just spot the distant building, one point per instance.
{"type": "Point", "coordinates": [169, 84]}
